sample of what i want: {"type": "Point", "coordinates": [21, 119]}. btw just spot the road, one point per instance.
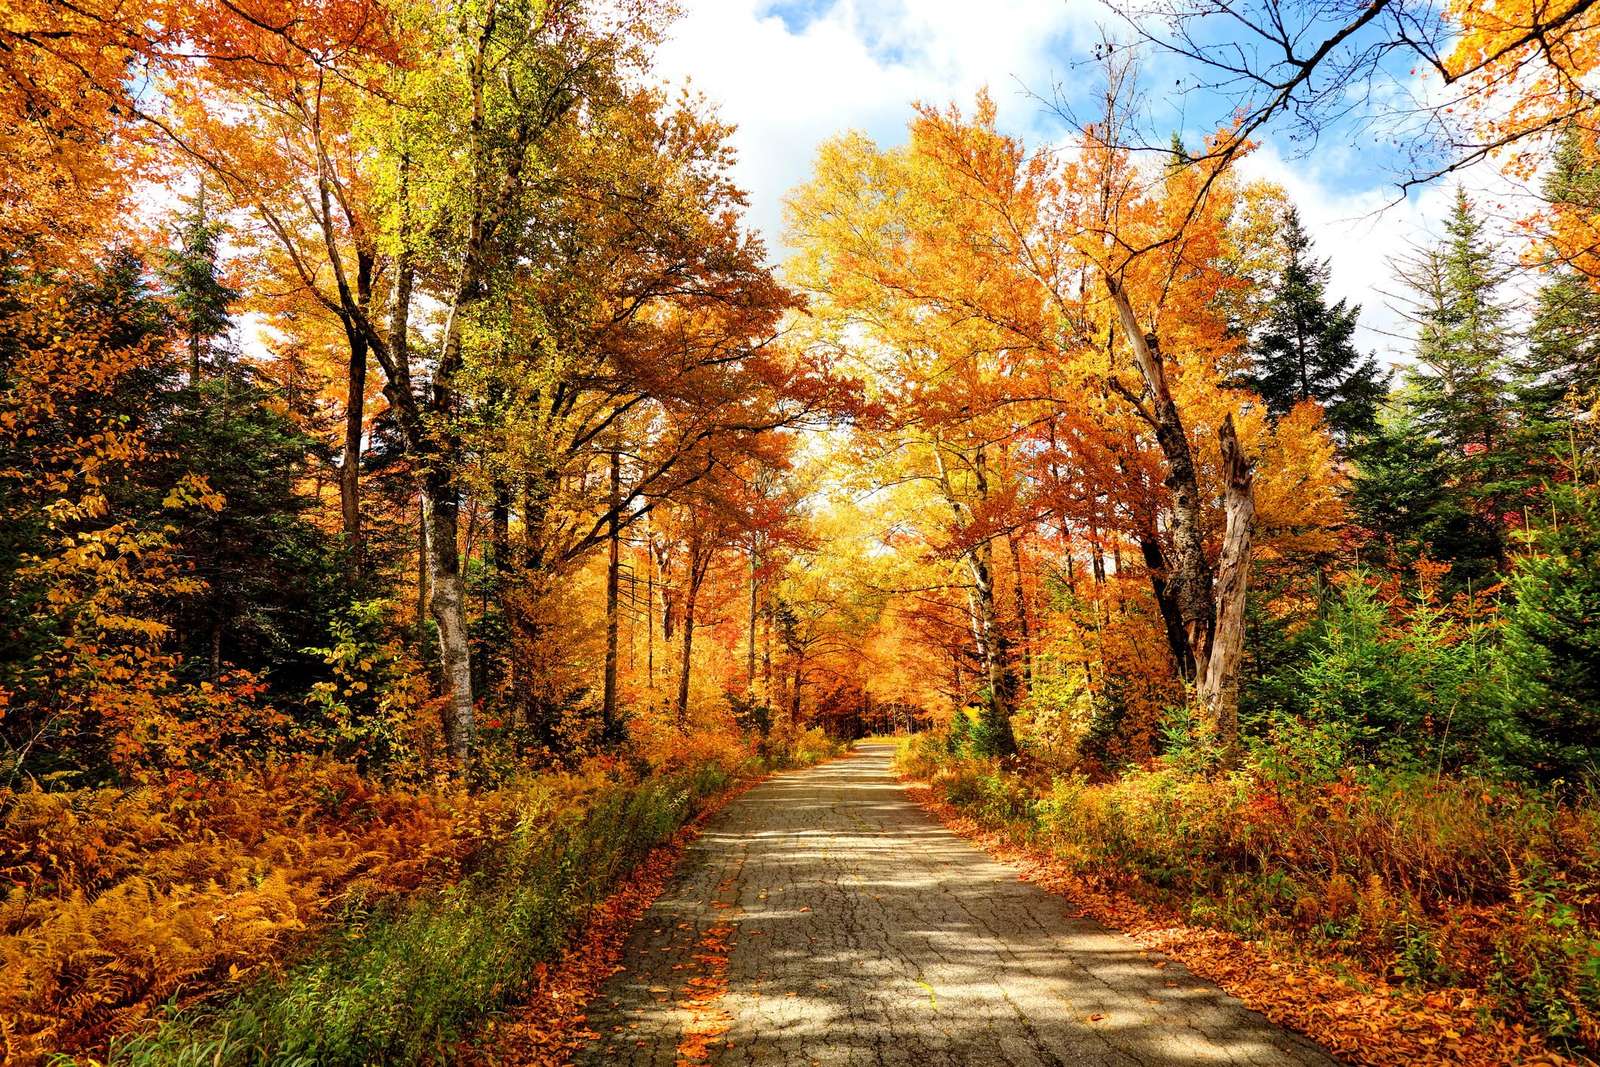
{"type": "Point", "coordinates": [825, 918]}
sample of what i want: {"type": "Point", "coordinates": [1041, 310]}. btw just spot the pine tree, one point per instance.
{"type": "Point", "coordinates": [1304, 349]}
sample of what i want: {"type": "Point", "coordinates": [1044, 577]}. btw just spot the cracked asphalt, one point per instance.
{"type": "Point", "coordinates": [859, 930]}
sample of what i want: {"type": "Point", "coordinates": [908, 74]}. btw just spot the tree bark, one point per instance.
{"type": "Point", "coordinates": [1014, 543]}
{"type": "Point", "coordinates": [750, 652]}
{"type": "Point", "coordinates": [1172, 620]}
{"type": "Point", "coordinates": [993, 648]}
{"type": "Point", "coordinates": [699, 562]}
{"type": "Point", "coordinates": [686, 665]}
{"type": "Point", "coordinates": [1219, 691]}
{"type": "Point", "coordinates": [355, 417]}
{"type": "Point", "coordinates": [649, 609]}
{"type": "Point", "coordinates": [608, 705]}
{"type": "Point", "coordinates": [1191, 578]}
{"type": "Point", "coordinates": [795, 691]}
{"type": "Point", "coordinates": [448, 604]}
{"type": "Point", "coordinates": [422, 572]}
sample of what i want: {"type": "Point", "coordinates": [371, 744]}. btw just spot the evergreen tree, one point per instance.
{"type": "Point", "coordinates": [1402, 491]}
{"type": "Point", "coordinates": [269, 572]}
{"type": "Point", "coordinates": [198, 298]}
{"type": "Point", "coordinates": [1550, 646]}
{"type": "Point", "coordinates": [1459, 388]}
{"type": "Point", "coordinates": [1463, 342]}
{"type": "Point", "coordinates": [1556, 379]}
{"type": "Point", "coordinates": [1558, 375]}
{"type": "Point", "coordinates": [1304, 349]}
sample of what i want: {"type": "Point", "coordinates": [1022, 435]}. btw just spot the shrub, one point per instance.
{"type": "Point", "coordinates": [920, 755]}
{"type": "Point", "coordinates": [1426, 878]}
{"type": "Point", "coordinates": [1392, 684]}
{"type": "Point", "coordinates": [405, 985]}
{"type": "Point", "coordinates": [422, 910]}
{"type": "Point", "coordinates": [119, 900]}
{"type": "Point", "coordinates": [786, 745]}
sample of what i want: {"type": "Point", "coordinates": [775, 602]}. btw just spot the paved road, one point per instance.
{"type": "Point", "coordinates": [825, 918]}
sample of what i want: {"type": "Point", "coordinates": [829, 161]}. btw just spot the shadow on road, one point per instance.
{"type": "Point", "coordinates": [863, 931]}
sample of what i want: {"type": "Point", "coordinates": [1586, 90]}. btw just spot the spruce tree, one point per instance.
{"type": "Point", "coordinates": [1305, 350]}
{"type": "Point", "coordinates": [1403, 491]}
{"type": "Point", "coordinates": [199, 299]}
{"type": "Point", "coordinates": [1463, 341]}
{"type": "Point", "coordinates": [1459, 388]}
{"type": "Point", "coordinates": [1556, 379]}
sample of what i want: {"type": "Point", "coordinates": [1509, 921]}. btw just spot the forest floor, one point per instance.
{"type": "Point", "coordinates": [825, 917]}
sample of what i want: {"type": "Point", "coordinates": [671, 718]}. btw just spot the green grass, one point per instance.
{"type": "Point", "coordinates": [405, 986]}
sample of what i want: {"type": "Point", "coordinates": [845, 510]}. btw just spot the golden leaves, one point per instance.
{"type": "Point", "coordinates": [119, 899]}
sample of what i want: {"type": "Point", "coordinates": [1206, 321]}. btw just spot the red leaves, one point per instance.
{"type": "Point", "coordinates": [708, 1020]}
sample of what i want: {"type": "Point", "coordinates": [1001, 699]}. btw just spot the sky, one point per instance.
{"type": "Point", "coordinates": [792, 73]}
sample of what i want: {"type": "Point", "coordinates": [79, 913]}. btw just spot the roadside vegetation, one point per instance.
{"type": "Point", "coordinates": [421, 494]}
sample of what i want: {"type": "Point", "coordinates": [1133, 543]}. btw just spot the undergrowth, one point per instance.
{"type": "Point", "coordinates": [403, 986]}
{"type": "Point", "coordinates": [1428, 881]}
{"type": "Point", "coordinates": [307, 914]}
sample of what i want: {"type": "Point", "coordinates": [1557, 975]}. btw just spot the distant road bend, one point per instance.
{"type": "Point", "coordinates": [824, 918]}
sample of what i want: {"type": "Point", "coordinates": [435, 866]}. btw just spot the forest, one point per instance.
{"type": "Point", "coordinates": [424, 496]}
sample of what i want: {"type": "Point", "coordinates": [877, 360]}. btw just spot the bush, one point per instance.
{"type": "Point", "coordinates": [421, 910]}
{"type": "Point", "coordinates": [980, 784]}
{"type": "Point", "coordinates": [919, 756]}
{"type": "Point", "coordinates": [1429, 879]}
{"type": "Point", "coordinates": [119, 899]}
{"type": "Point", "coordinates": [786, 745]}
{"type": "Point", "coordinates": [1391, 684]}
{"type": "Point", "coordinates": [404, 986]}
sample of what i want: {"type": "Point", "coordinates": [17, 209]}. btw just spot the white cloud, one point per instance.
{"type": "Point", "coordinates": [791, 75]}
{"type": "Point", "coordinates": [1365, 230]}
{"type": "Point", "coordinates": [856, 64]}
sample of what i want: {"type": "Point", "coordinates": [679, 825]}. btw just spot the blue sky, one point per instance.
{"type": "Point", "coordinates": [791, 73]}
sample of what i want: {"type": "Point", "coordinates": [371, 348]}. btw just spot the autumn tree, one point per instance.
{"type": "Point", "coordinates": [1001, 293]}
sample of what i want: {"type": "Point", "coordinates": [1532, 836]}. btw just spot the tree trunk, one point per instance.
{"type": "Point", "coordinates": [1172, 620]}
{"type": "Point", "coordinates": [354, 418]}
{"type": "Point", "coordinates": [1219, 691]}
{"type": "Point", "coordinates": [448, 604]}
{"type": "Point", "coordinates": [422, 572]}
{"type": "Point", "coordinates": [608, 705]}
{"type": "Point", "coordinates": [699, 562]}
{"type": "Point", "coordinates": [688, 650]}
{"type": "Point", "coordinates": [795, 691]}
{"type": "Point", "coordinates": [1191, 578]}
{"type": "Point", "coordinates": [993, 648]}
{"type": "Point", "coordinates": [996, 658]}
{"type": "Point", "coordinates": [649, 609]}
{"type": "Point", "coordinates": [770, 612]}
{"type": "Point", "coordinates": [1014, 543]}
{"type": "Point", "coordinates": [750, 652]}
